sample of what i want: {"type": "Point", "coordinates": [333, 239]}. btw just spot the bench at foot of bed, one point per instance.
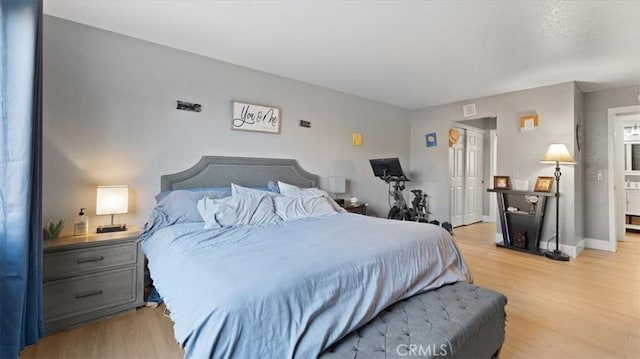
{"type": "Point", "coordinates": [455, 321]}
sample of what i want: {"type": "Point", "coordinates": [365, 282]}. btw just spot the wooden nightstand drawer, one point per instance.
{"type": "Point", "coordinates": [87, 278]}
{"type": "Point", "coordinates": [92, 292]}
{"type": "Point", "coordinates": [78, 261]}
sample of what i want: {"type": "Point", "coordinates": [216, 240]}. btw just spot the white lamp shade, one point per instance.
{"type": "Point", "coordinates": [558, 153]}
{"type": "Point", "coordinates": [337, 184]}
{"type": "Point", "coordinates": [112, 200]}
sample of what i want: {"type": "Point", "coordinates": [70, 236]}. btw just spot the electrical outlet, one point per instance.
{"type": "Point", "coordinates": [599, 176]}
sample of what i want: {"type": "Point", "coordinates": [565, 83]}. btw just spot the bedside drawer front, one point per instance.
{"type": "Point", "coordinates": [89, 293]}
{"type": "Point", "coordinates": [357, 210]}
{"type": "Point", "coordinates": [78, 261]}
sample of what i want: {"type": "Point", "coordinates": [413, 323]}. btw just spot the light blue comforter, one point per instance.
{"type": "Point", "coordinates": [291, 289]}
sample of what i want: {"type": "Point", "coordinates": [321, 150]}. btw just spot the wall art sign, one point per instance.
{"type": "Point", "coordinates": [356, 139]}
{"type": "Point", "coordinates": [431, 139]}
{"type": "Point", "coordinates": [252, 117]}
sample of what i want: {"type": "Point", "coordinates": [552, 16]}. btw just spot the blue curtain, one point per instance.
{"type": "Point", "coordinates": [21, 321]}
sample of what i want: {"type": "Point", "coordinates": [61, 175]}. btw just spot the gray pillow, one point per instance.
{"type": "Point", "coordinates": [181, 205]}
{"type": "Point", "coordinates": [175, 207]}
{"type": "Point", "coordinates": [226, 191]}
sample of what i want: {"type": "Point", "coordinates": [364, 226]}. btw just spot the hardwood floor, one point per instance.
{"type": "Point", "coordinates": [586, 308]}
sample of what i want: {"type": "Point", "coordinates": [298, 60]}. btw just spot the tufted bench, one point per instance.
{"type": "Point", "coordinates": [455, 321]}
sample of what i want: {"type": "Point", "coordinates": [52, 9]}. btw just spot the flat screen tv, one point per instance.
{"type": "Point", "coordinates": [387, 167]}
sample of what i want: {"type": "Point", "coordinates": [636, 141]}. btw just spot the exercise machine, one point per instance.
{"type": "Point", "coordinates": [420, 205]}
{"type": "Point", "coordinates": [390, 171]}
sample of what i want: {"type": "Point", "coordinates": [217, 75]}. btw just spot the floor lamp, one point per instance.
{"type": "Point", "coordinates": [557, 154]}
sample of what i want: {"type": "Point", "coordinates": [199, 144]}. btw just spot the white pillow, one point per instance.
{"type": "Point", "coordinates": [302, 206]}
{"type": "Point", "coordinates": [291, 190]}
{"type": "Point", "coordinates": [241, 209]}
{"type": "Point", "coordinates": [237, 189]}
{"type": "Point", "coordinates": [295, 191]}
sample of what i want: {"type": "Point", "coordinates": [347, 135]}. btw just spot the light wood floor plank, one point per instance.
{"type": "Point", "coordinates": [586, 308]}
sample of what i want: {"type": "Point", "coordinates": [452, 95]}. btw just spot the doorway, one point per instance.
{"type": "Point", "coordinates": [618, 119]}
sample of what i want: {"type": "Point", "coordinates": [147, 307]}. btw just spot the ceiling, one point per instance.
{"type": "Point", "coordinates": [411, 54]}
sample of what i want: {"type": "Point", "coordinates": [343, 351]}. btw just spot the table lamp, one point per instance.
{"type": "Point", "coordinates": [557, 154]}
{"type": "Point", "coordinates": [112, 200]}
{"type": "Point", "coordinates": [337, 185]}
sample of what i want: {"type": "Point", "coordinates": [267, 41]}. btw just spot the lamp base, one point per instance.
{"type": "Point", "coordinates": [111, 228]}
{"type": "Point", "coordinates": [556, 255]}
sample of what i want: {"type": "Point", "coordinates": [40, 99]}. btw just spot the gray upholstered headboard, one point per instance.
{"type": "Point", "coordinates": [217, 171]}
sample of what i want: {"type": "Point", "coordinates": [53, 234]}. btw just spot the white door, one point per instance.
{"type": "Point", "coordinates": [473, 177]}
{"type": "Point", "coordinates": [456, 171]}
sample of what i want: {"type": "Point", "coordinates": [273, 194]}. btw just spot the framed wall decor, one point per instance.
{"type": "Point", "coordinates": [431, 139]}
{"type": "Point", "coordinates": [356, 139]}
{"type": "Point", "coordinates": [543, 184]}
{"type": "Point", "coordinates": [257, 118]}
{"type": "Point", "coordinates": [501, 182]}
{"type": "Point", "coordinates": [528, 123]}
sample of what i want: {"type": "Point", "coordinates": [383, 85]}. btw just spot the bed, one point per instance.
{"type": "Point", "coordinates": [290, 288]}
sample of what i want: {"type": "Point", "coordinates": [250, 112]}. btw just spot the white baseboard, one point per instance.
{"type": "Point", "coordinates": [580, 247]}
{"type": "Point", "coordinates": [598, 244]}
{"type": "Point", "coordinates": [488, 219]}
{"type": "Point", "coordinates": [572, 251]}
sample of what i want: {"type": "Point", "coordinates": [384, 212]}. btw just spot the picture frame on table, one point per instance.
{"type": "Point", "coordinates": [543, 184]}
{"type": "Point", "coordinates": [501, 182]}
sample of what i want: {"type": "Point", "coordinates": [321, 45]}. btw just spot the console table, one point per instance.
{"type": "Point", "coordinates": [521, 229]}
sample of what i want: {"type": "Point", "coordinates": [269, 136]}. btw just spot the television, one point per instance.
{"type": "Point", "coordinates": [388, 167]}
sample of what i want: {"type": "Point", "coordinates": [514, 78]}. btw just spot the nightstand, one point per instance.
{"type": "Point", "coordinates": [357, 208]}
{"type": "Point", "coordinates": [91, 277]}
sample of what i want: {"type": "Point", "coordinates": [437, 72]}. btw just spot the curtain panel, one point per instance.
{"type": "Point", "coordinates": [21, 319]}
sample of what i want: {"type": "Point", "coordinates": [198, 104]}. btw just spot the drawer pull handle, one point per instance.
{"type": "Point", "coordinates": [89, 294]}
{"type": "Point", "coordinates": [90, 259]}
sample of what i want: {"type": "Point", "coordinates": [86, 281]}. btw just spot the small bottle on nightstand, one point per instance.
{"type": "Point", "coordinates": [81, 224]}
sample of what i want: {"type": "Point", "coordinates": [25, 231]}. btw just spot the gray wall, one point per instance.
{"type": "Point", "coordinates": [518, 153]}
{"type": "Point", "coordinates": [596, 198]}
{"type": "Point", "coordinates": [110, 118]}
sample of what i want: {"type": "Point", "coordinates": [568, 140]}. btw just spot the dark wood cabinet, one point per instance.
{"type": "Point", "coordinates": [520, 220]}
